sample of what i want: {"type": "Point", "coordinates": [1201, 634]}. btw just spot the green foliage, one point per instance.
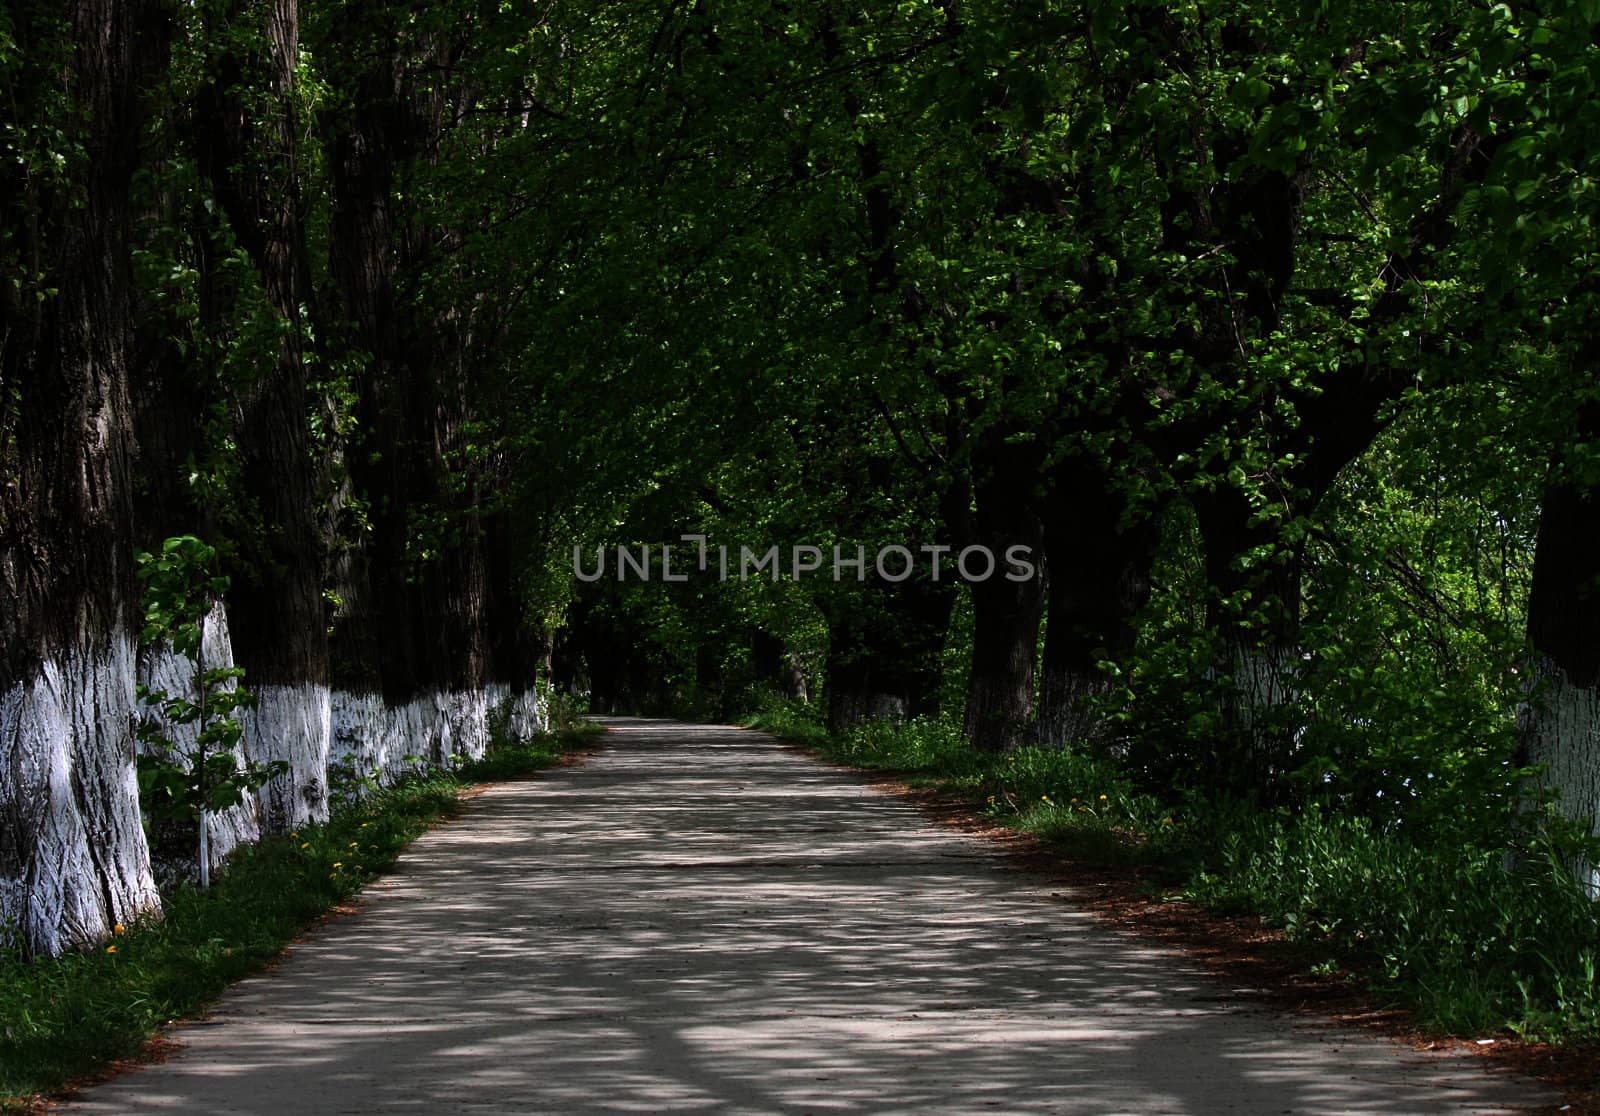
{"type": "Point", "coordinates": [912, 747]}
{"type": "Point", "coordinates": [1473, 939]}
{"type": "Point", "coordinates": [1447, 931]}
{"type": "Point", "coordinates": [1084, 803]}
{"type": "Point", "coordinates": [67, 1016]}
{"type": "Point", "coordinates": [793, 721]}
{"type": "Point", "coordinates": [508, 757]}
{"type": "Point", "coordinates": [179, 786]}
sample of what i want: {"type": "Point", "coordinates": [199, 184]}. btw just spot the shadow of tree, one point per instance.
{"type": "Point", "coordinates": [700, 920]}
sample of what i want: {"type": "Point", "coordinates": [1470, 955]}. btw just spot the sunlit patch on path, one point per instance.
{"type": "Point", "coordinates": [699, 919]}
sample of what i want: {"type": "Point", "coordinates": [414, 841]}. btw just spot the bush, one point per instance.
{"type": "Point", "coordinates": [1442, 927]}
{"type": "Point", "coordinates": [791, 720]}
{"type": "Point", "coordinates": [1467, 944]}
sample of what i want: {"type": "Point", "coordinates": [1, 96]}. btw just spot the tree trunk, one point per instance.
{"type": "Point", "coordinates": [1256, 615]}
{"type": "Point", "coordinates": [1099, 580]}
{"type": "Point", "coordinates": [371, 713]}
{"type": "Point", "coordinates": [779, 666]}
{"type": "Point", "coordinates": [415, 588]}
{"type": "Point", "coordinates": [73, 857]}
{"type": "Point", "coordinates": [161, 668]}
{"type": "Point", "coordinates": [278, 619]}
{"type": "Point", "coordinates": [884, 648]}
{"type": "Point", "coordinates": [1560, 728]}
{"type": "Point", "coordinates": [519, 669]}
{"type": "Point", "coordinates": [1005, 613]}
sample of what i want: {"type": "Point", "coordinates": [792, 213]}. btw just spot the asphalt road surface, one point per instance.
{"type": "Point", "coordinates": [699, 919]}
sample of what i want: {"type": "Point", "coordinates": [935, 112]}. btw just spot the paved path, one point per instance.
{"type": "Point", "coordinates": [700, 920]}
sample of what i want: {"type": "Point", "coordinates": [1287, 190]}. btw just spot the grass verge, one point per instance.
{"type": "Point", "coordinates": [68, 1017]}
{"type": "Point", "coordinates": [1442, 930]}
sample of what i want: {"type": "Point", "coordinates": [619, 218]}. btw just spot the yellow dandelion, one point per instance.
{"type": "Point", "coordinates": [338, 864]}
{"type": "Point", "coordinates": [306, 845]}
{"type": "Point", "coordinates": [118, 928]}
{"type": "Point", "coordinates": [1102, 798]}
{"type": "Point", "coordinates": [111, 949]}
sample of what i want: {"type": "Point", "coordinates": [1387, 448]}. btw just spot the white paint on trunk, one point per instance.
{"type": "Point", "coordinates": [370, 737]}
{"type": "Point", "coordinates": [410, 731]}
{"type": "Point", "coordinates": [74, 856]}
{"type": "Point", "coordinates": [73, 852]}
{"type": "Point", "coordinates": [1262, 698]}
{"type": "Point", "coordinates": [161, 668]}
{"type": "Point", "coordinates": [1262, 677]}
{"type": "Point", "coordinates": [290, 723]}
{"type": "Point", "coordinates": [1072, 712]}
{"type": "Point", "coordinates": [1562, 732]}
{"type": "Point", "coordinates": [358, 734]}
{"type": "Point", "coordinates": [463, 726]}
{"type": "Point", "coordinates": [526, 712]}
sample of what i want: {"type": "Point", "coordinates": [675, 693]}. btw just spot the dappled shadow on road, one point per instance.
{"type": "Point", "coordinates": [700, 920]}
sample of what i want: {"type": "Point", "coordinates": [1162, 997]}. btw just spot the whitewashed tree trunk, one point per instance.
{"type": "Point", "coordinates": [1561, 726]}
{"type": "Point", "coordinates": [1071, 709]}
{"type": "Point", "coordinates": [524, 713]}
{"type": "Point", "coordinates": [358, 738]}
{"type": "Point", "coordinates": [529, 713]}
{"type": "Point", "coordinates": [464, 715]}
{"type": "Point", "coordinates": [293, 724]}
{"type": "Point", "coordinates": [160, 668]}
{"type": "Point", "coordinates": [74, 857]}
{"type": "Point", "coordinates": [1260, 705]}
{"type": "Point", "coordinates": [1561, 730]}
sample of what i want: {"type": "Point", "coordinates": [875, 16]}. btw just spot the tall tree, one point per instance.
{"type": "Point", "coordinates": [247, 126]}
{"type": "Point", "coordinates": [73, 858]}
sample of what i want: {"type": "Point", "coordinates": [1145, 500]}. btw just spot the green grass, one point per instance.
{"type": "Point", "coordinates": [520, 759]}
{"type": "Point", "coordinates": [790, 722]}
{"type": "Point", "coordinates": [1084, 805]}
{"type": "Point", "coordinates": [67, 1017]}
{"type": "Point", "coordinates": [1442, 929]}
{"type": "Point", "coordinates": [1470, 947]}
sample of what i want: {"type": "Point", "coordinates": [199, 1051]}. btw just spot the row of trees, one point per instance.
{"type": "Point", "coordinates": [1270, 331]}
{"type": "Point", "coordinates": [237, 305]}
{"type": "Point", "coordinates": [1267, 330]}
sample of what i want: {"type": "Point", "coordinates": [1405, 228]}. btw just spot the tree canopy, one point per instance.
{"type": "Point", "coordinates": [1262, 333]}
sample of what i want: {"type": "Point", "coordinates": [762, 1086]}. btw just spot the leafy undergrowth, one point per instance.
{"type": "Point", "coordinates": [68, 1017]}
{"type": "Point", "coordinates": [1449, 932]}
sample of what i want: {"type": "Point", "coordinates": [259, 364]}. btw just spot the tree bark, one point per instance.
{"type": "Point", "coordinates": [884, 650]}
{"type": "Point", "coordinates": [1560, 727]}
{"type": "Point", "coordinates": [73, 857]}
{"type": "Point", "coordinates": [371, 707]}
{"type": "Point", "coordinates": [161, 668]}
{"type": "Point", "coordinates": [277, 613]}
{"type": "Point", "coordinates": [415, 588]}
{"type": "Point", "coordinates": [1256, 616]}
{"type": "Point", "coordinates": [1100, 552]}
{"type": "Point", "coordinates": [1005, 613]}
